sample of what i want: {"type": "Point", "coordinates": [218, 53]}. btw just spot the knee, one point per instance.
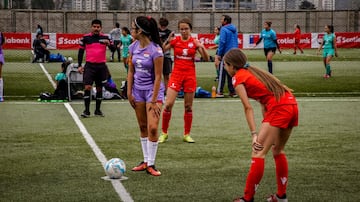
{"type": "Point", "coordinates": [143, 128]}
{"type": "Point", "coordinates": [188, 108]}
{"type": "Point", "coordinates": [168, 106]}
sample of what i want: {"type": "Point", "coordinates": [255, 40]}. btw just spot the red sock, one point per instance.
{"type": "Point", "coordinates": [254, 177]}
{"type": "Point", "coordinates": [188, 116]}
{"type": "Point", "coordinates": [166, 116]}
{"type": "Point", "coordinates": [282, 171]}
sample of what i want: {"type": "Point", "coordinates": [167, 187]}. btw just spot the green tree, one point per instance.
{"type": "Point", "coordinates": [43, 4]}
{"type": "Point", "coordinates": [306, 5]}
{"type": "Point", "coordinates": [19, 4]}
{"type": "Point", "coordinates": [114, 4]}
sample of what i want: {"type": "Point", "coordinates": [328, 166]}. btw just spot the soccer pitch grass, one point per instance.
{"type": "Point", "coordinates": [303, 73]}
{"type": "Point", "coordinates": [44, 156]}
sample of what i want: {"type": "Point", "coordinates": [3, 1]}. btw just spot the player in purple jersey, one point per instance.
{"type": "Point", "coordinates": [95, 69]}
{"type": "Point", "coordinates": [145, 88]}
{"type": "Point", "coordinates": [2, 61]}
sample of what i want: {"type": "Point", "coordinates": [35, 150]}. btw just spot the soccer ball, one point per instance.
{"type": "Point", "coordinates": [115, 168]}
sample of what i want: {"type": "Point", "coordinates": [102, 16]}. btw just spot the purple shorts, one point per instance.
{"type": "Point", "coordinates": [2, 60]}
{"type": "Point", "coordinates": [146, 95]}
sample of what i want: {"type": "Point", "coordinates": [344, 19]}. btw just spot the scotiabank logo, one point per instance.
{"type": "Point", "coordinates": [67, 41]}
{"type": "Point", "coordinates": [13, 40]}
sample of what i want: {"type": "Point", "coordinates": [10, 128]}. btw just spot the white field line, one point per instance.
{"type": "Point", "coordinates": [119, 188]}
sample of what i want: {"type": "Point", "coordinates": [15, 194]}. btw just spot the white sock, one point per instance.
{"type": "Point", "coordinates": [1, 88]}
{"type": "Point", "coordinates": [152, 149]}
{"type": "Point", "coordinates": [144, 148]}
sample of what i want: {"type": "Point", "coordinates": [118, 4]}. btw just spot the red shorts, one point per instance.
{"type": "Point", "coordinates": [184, 81]}
{"type": "Point", "coordinates": [282, 116]}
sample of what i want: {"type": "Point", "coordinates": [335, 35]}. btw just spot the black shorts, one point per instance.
{"type": "Point", "coordinates": [167, 67]}
{"type": "Point", "coordinates": [267, 50]}
{"type": "Point", "coordinates": [95, 72]}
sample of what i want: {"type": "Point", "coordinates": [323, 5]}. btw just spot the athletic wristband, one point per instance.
{"type": "Point", "coordinates": [253, 132]}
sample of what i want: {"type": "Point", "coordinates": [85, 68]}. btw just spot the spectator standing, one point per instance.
{"type": "Point", "coordinates": [125, 41]}
{"type": "Point", "coordinates": [39, 29]}
{"type": "Point", "coordinates": [330, 49]}
{"type": "Point", "coordinates": [216, 42]}
{"type": "Point", "coordinates": [228, 40]}
{"type": "Point", "coordinates": [270, 44]}
{"type": "Point", "coordinates": [2, 62]}
{"type": "Point", "coordinates": [297, 38]}
{"type": "Point", "coordinates": [280, 115]}
{"type": "Point", "coordinates": [145, 87]}
{"type": "Point", "coordinates": [95, 69]}
{"type": "Point", "coordinates": [115, 34]}
{"type": "Point", "coordinates": [183, 77]}
{"type": "Point", "coordinates": [164, 35]}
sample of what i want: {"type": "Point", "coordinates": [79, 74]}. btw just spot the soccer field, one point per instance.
{"type": "Point", "coordinates": [45, 157]}
{"type": "Point", "coordinates": [48, 154]}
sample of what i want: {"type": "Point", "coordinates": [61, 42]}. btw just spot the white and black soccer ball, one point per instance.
{"type": "Point", "coordinates": [115, 168]}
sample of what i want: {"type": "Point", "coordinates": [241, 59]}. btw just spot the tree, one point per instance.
{"type": "Point", "coordinates": [19, 4]}
{"type": "Point", "coordinates": [114, 5]}
{"type": "Point", "coordinates": [306, 5]}
{"type": "Point", "coordinates": [43, 4]}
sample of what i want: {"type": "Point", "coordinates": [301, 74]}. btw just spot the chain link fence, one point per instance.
{"type": "Point", "coordinates": [203, 21]}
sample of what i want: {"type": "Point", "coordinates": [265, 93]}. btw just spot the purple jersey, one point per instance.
{"type": "Point", "coordinates": [143, 61]}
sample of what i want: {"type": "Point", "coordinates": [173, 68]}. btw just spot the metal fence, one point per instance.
{"type": "Point", "coordinates": [203, 21]}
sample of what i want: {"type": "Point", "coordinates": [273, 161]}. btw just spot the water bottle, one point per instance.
{"type": "Point", "coordinates": [213, 92]}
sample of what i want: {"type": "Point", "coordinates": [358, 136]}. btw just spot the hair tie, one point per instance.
{"type": "Point", "coordinates": [247, 65]}
{"type": "Point", "coordinates": [137, 25]}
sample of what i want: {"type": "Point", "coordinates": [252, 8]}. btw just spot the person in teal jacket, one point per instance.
{"type": "Point", "coordinates": [270, 44]}
{"type": "Point", "coordinates": [330, 50]}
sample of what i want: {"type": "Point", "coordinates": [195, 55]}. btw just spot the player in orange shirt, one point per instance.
{"type": "Point", "coordinates": [182, 77]}
{"type": "Point", "coordinates": [297, 37]}
{"type": "Point", "coordinates": [280, 115]}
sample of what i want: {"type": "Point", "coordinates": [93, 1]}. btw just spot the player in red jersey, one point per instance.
{"type": "Point", "coordinates": [280, 115]}
{"type": "Point", "coordinates": [297, 37]}
{"type": "Point", "coordinates": [183, 76]}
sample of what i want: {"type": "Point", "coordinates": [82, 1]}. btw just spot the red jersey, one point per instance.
{"type": "Point", "coordinates": [184, 54]}
{"type": "Point", "coordinates": [297, 34]}
{"type": "Point", "coordinates": [257, 90]}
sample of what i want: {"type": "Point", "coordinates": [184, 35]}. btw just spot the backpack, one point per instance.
{"type": "Point", "coordinates": [56, 58]}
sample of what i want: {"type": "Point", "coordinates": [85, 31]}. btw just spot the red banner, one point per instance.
{"type": "Point", "coordinates": [285, 40]}
{"type": "Point", "coordinates": [347, 39]}
{"type": "Point", "coordinates": [68, 41]}
{"type": "Point", "coordinates": [208, 40]}
{"type": "Point", "coordinates": [17, 40]}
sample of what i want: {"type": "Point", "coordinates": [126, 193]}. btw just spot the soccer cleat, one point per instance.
{"type": "Point", "coordinates": [85, 114]}
{"type": "Point", "coordinates": [152, 171]}
{"type": "Point", "coordinates": [326, 76]}
{"type": "Point", "coordinates": [219, 95]}
{"type": "Point", "coordinates": [188, 139]}
{"type": "Point", "coordinates": [141, 167]}
{"type": "Point", "coordinates": [275, 198]}
{"type": "Point", "coordinates": [99, 113]}
{"type": "Point", "coordinates": [242, 200]}
{"type": "Point", "coordinates": [163, 137]}
{"type": "Point", "coordinates": [233, 95]}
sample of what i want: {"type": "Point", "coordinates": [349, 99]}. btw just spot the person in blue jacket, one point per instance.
{"type": "Point", "coordinates": [270, 43]}
{"type": "Point", "coordinates": [228, 40]}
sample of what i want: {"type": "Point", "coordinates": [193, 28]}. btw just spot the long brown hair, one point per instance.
{"type": "Point", "coordinates": [238, 60]}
